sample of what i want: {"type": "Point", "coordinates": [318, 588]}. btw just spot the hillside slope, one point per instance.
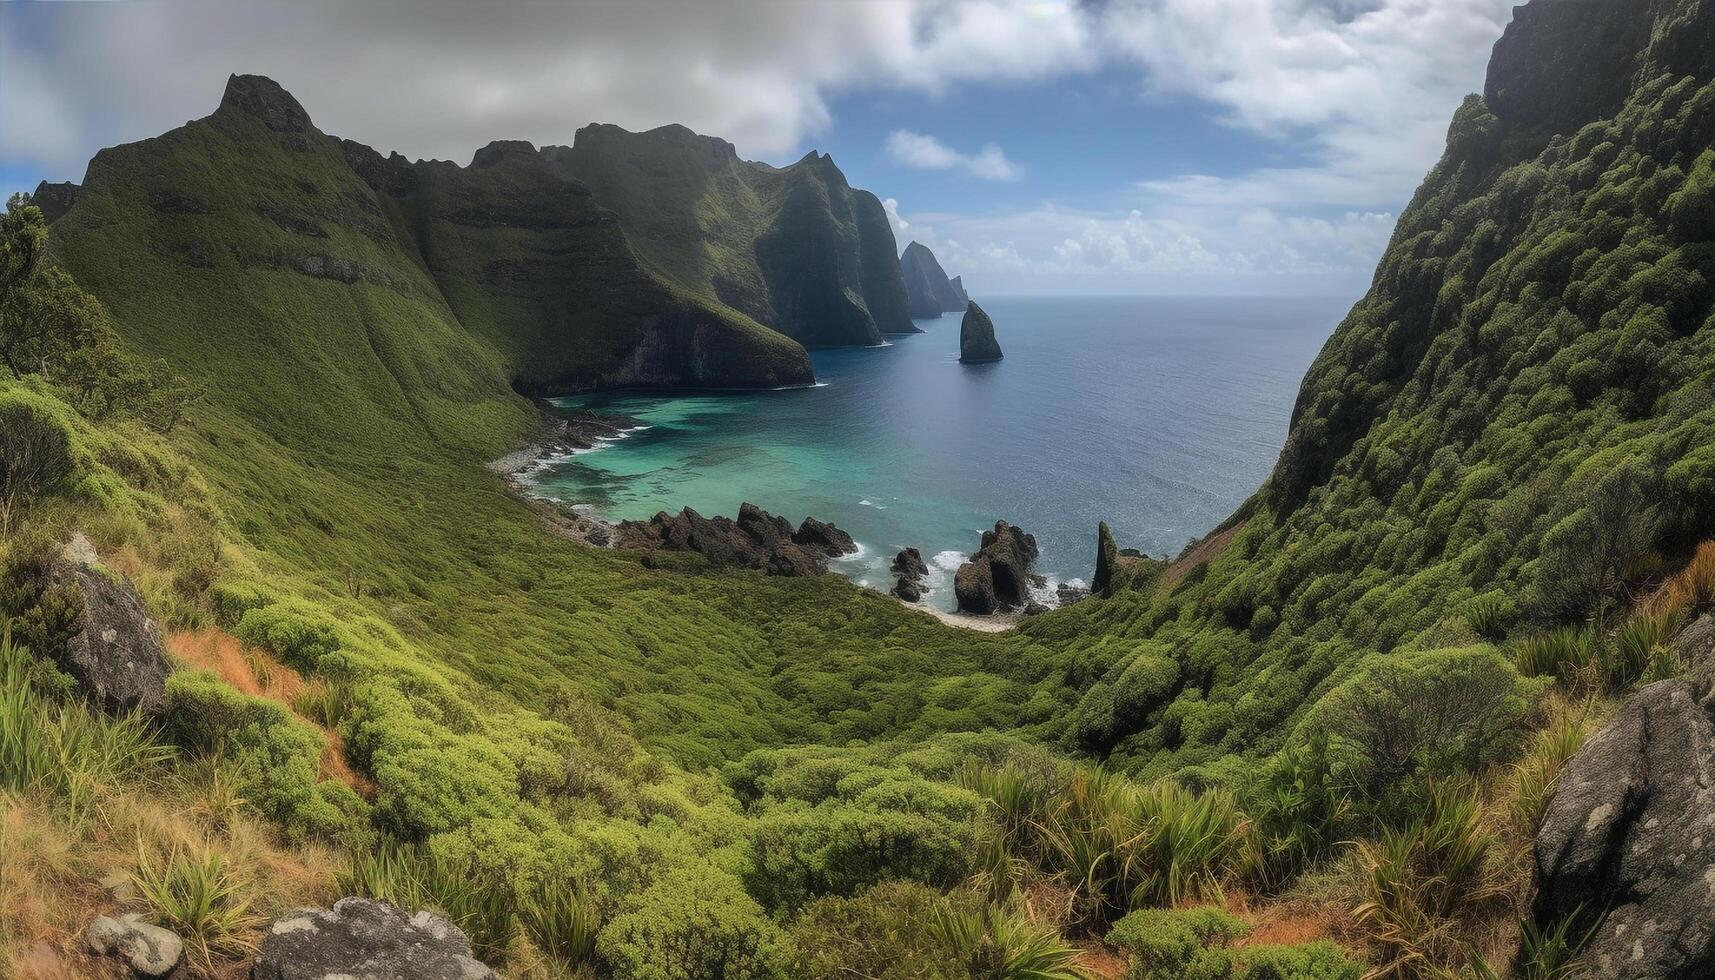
{"type": "Point", "coordinates": [1513, 429]}
{"type": "Point", "coordinates": [795, 248]}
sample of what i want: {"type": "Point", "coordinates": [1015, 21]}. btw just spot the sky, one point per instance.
{"type": "Point", "coordinates": [1038, 146]}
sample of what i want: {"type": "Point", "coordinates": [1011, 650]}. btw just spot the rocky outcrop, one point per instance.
{"type": "Point", "coordinates": [976, 337]}
{"type": "Point", "coordinates": [1630, 832]}
{"type": "Point", "coordinates": [1107, 556]}
{"type": "Point", "coordinates": [116, 654]}
{"type": "Point", "coordinates": [54, 199]}
{"type": "Point", "coordinates": [361, 938]}
{"type": "Point", "coordinates": [997, 578]}
{"type": "Point", "coordinates": [150, 950]}
{"type": "Point", "coordinates": [757, 539]}
{"type": "Point", "coordinates": [909, 571]}
{"type": "Point", "coordinates": [928, 292]}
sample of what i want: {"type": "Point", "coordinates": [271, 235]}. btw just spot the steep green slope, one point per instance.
{"type": "Point", "coordinates": [1512, 429]}
{"type": "Point", "coordinates": [794, 248]}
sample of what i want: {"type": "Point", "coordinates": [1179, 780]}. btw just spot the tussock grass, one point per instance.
{"type": "Point", "coordinates": [198, 894]}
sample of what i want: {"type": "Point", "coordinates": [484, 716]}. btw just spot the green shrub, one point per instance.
{"type": "Point", "coordinates": [694, 923]}
{"type": "Point", "coordinates": [1295, 810]}
{"type": "Point", "coordinates": [1642, 648]}
{"type": "Point", "coordinates": [1489, 615]}
{"type": "Point", "coordinates": [887, 932]}
{"type": "Point", "coordinates": [35, 458]}
{"type": "Point", "coordinates": [1319, 960]}
{"type": "Point", "coordinates": [1169, 944]}
{"type": "Point", "coordinates": [799, 853]}
{"type": "Point", "coordinates": [412, 879]}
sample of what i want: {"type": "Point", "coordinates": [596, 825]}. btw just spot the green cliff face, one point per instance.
{"type": "Point", "coordinates": [795, 248]}
{"type": "Point", "coordinates": [928, 291]}
{"type": "Point", "coordinates": [507, 265]}
{"type": "Point", "coordinates": [1516, 420]}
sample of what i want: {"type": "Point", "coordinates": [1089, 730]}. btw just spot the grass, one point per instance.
{"type": "Point", "coordinates": [198, 895]}
{"type": "Point", "coordinates": [1536, 774]}
{"type": "Point", "coordinates": [561, 919]}
{"type": "Point", "coordinates": [994, 943]}
{"type": "Point", "coordinates": [1641, 649]}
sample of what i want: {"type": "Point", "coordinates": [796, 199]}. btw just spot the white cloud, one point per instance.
{"type": "Point", "coordinates": [928, 153]}
{"type": "Point", "coordinates": [900, 225]}
{"type": "Point", "coordinates": [1356, 95]}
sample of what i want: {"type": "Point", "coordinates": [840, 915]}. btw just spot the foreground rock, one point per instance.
{"type": "Point", "coordinates": [151, 950]}
{"type": "Point", "coordinates": [116, 654]}
{"type": "Point", "coordinates": [909, 570]}
{"type": "Point", "coordinates": [1631, 829]}
{"type": "Point", "coordinates": [757, 539]}
{"type": "Point", "coordinates": [976, 337]}
{"type": "Point", "coordinates": [363, 938]}
{"type": "Point", "coordinates": [997, 578]}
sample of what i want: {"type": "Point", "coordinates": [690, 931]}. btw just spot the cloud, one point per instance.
{"type": "Point", "coordinates": [928, 153]}
{"type": "Point", "coordinates": [900, 225]}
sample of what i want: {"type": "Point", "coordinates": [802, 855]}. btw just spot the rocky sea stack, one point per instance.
{"type": "Point", "coordinates": [976, 337]}
{"type": "Point", "coordinates": [997, 578]}
{"type": "Point", "coordinates": [757, 539]}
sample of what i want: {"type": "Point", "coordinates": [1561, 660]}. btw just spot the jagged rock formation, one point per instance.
{"type": "Point", "coordinates": [928, 292]}
{"type": "Point", "coordinates": [388, 269]}
{"type": "Point", "coordinates": [1630, 832]}
{"type": "Point", "coordinates": [794, 248]}
{"type": "Point", "coordinates": [54, 199]}
{"type": "Point", "coordinates": [757, 539]}
{"type": "Point", "coordinates": [116, 654]}
{"type": "Point", "coordinates": [997, 578]}
{"type": "Point", "coordinates": [976, 337]}
{"type": "Point", "coordinates": [361, 937]}
{"type": "Point", "coordinates": [1107, 556]}
{"type": "Point", "coordinates": [909, 570]}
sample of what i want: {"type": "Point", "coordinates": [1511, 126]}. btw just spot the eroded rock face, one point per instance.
{"type": "Point", "coordinates": [909, 571]}
{"type": "Point", "coordinates": [976, 337]}
{"type": "Point", "coordinates": [757, 539]}
{"type": "Point", "coordinates": [997, 578]}
{"type": "Point", "coordinates": [1631, 830]}
{"type": "Point", "coordinates": [363, 938]}
{"type": "Point", "coordinates": [116, 654]}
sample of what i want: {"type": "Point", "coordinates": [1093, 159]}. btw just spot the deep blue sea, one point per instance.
{"type": "Point", "coordinates": [1158, 415]}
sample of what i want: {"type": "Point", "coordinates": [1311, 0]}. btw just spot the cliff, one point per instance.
{"type": "Point", "coordinates": [928, 291]}
{"type": "Point", "coordinates": [796, 248]}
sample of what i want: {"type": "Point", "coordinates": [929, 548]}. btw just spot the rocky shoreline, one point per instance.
{"type": "Point", "coordinates": [994, 586]}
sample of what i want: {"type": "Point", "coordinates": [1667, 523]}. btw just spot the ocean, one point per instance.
{"type": "Point", "coordinates": [1157, 415]}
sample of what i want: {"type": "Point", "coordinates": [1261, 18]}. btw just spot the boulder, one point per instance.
{"type": "Point", "coordinates": [824, 537]}
{"type": "Point", "coordinates": [997, 577]}
{"type": "Point", "coordinates": [1631, 831]}
{"type": "Point", "coordinates": [363, 938]}
{"type": "Point", "coordinates": [976, 337]}
{"type": "Point", "coordinates": [757, 539]}
{"type": "Point", "coordinates": [151, 950]}
{"type": "Point", "coordinates": [116, 655]}
{"type": "Point", "coordinates": [909, 563]}
{"type": "Point", "coordinates": [908, 589]}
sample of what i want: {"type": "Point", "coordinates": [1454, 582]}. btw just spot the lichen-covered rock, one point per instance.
{"type": "Point", "coordinates": [997, 578]}
{"type": "Point", "coordinates": [364, 939]}
{"type": "Point", "coordinates": [151, 950]}
{"type": "Point", "coordinates": [116, 654]}
{"type": "Point", "coordinates": [1631, 831]}
{"type": "Point", "coordinates": [976, 337]}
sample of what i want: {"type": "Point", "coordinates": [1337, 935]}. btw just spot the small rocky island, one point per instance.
{"type": "Point", "coordinates": [976, 337]}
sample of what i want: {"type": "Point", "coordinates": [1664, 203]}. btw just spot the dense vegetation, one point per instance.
{"type": "Point", "coordinates": [1313, 745]}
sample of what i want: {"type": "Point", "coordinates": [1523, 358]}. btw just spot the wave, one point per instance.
{"type": "Point", "coordinates": [948, 561]}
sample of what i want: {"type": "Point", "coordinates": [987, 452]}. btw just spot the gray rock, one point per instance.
{"type": "Point", "coordinates": [757, 539]}
{"type": "Point", "coordinates": [976, 337]}
{"type": "Point", "coordinates": [151, 950]}
{"type": "Point", "coordinates": [116, 654]}
{"type": "Point", "coordinates": [1695, 645]}
{"type": "Point", "coordinates": [908, 589]}
{"type": "Point", "coordinates": [909, 563]}
{"type": "Point", "coordinates": [1631, 831]}
{"type": "Point", "coordinates": [824, 537]}
{"type": "Point", "coordinates": [364, 939]}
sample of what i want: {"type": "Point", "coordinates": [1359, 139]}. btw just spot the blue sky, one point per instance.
{"type": "Point", "coordinates": [1039, 146]}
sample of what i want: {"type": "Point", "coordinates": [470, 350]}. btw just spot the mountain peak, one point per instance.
{"type": "Point", "coordinates": [499, 150]}
{"type": "Point", "coordinates": [262, 98]}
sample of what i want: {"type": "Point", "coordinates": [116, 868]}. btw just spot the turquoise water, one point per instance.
{"type": "Point", "coordinates": [1158, 415]}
